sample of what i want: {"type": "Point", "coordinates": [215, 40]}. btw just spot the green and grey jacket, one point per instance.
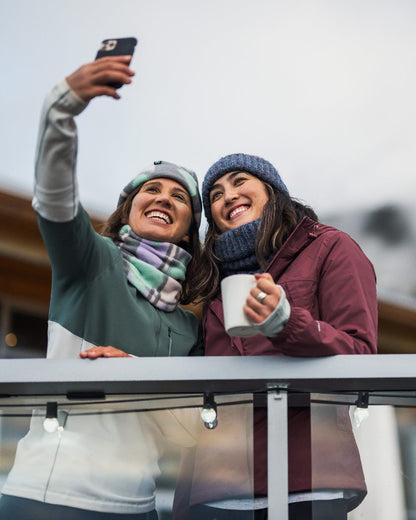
{"type": "Point", "coordinates": [100, 462]}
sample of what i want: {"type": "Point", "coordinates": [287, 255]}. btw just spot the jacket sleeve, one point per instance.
{"type": "Point", "coordinates": [56, 192]}
{"type": "Point", "coordinates": [345, 321]}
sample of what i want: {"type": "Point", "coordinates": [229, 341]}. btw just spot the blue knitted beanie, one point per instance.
{"type": "Point", "coordinates": [257, 166]}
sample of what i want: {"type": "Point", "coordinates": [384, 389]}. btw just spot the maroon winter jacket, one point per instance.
{"type": "Point", "coordinates": [330, 285]}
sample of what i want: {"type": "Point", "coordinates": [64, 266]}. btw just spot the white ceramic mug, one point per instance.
{"type": "Point", "coordinates": [235, 289]}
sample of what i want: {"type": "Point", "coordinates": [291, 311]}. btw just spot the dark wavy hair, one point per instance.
{"type": "Point", "coordinates": [120, 217]}
{"type": "Point", "coordinates": [281, 215]}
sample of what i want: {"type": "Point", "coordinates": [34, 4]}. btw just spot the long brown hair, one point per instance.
{"type": "Point", "coordinates": [120, 217]}
{"type": "Point", "coordinates": [281, 214]}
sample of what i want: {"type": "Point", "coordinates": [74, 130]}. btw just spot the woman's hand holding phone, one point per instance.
{"type": "Point", "coordinates": [109, 71]}
{"type": "Point", "coordinates": [92, 80]}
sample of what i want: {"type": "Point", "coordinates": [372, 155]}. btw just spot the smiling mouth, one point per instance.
{"type": "Point", "coordinates": [236, 211]}
{"type": "Point", "coordinates": [159, 216]}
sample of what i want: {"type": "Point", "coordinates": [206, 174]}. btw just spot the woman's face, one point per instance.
{"type": "Point", "coordinates": [237, 198]}
{"type": "Point", "coordinates": [161, 211]}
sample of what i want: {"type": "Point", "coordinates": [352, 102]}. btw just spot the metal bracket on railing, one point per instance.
{"type": "Point", "coordinates": [277, 387]}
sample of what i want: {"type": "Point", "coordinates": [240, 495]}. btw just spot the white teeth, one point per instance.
{"type": "Point", "coordinates": [238, 210]}
{"type": "Point", "coordinates": [159, 215]}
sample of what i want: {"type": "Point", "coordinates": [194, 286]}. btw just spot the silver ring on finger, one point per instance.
{"type": "Point", "coordinates": [261, 296]}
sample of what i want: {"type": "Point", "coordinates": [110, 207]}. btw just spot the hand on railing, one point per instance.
{"type": "Point", "coordinates": [108, 352]}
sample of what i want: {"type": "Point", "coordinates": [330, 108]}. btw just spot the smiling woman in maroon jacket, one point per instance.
{"type": "Point", "coordinates": [315, 296]}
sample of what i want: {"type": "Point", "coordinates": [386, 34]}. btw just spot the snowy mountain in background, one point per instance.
{"type": "Point", "coordinates": [387, 235]}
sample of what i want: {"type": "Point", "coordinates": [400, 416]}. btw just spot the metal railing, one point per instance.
{"type": "Point", "coordinates": [387, 379]}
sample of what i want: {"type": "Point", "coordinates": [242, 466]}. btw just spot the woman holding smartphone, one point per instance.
{"type": "Point", "coordinates": [120, 288]}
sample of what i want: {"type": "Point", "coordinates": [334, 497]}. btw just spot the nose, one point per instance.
{"type": "Point", "coordinates": [164, 198]}
{"type": "Point", "coordinates": [230, 195]}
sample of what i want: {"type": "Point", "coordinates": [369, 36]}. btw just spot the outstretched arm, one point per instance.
{"type": "Point", "coordinates": [56, 190]}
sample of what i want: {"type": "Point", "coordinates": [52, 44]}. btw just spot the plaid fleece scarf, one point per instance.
{"type": "Point", "coordinates": [156, 269]}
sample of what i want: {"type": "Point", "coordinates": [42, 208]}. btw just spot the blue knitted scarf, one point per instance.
{"type": "Point", "coordinates": [236, 250]}
{"type": "Point", "coordinates": [156, 269]}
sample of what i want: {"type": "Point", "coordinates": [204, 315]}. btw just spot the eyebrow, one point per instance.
{"type": "Point", "coordinates": [230, 176]}
{"type": "Point", "coordinates": [181, 190]}
{"type": "Point", "coordinates": [152, 182]}
{"type": "Point", "coordinates": [158, 183]}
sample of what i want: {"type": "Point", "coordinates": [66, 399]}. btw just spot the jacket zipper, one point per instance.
{"type": "Point", "coordinates": [170, 341]}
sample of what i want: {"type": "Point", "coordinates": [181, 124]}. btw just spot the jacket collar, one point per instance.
{"type": "Point", "coordinates": [304, 233]}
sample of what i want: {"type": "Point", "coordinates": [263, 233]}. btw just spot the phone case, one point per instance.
{"type": "Point", "coordinates": [116, 47]}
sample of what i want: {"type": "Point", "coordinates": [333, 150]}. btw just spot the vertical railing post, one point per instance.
{"type": "Point", "coordinates": [277, 459]}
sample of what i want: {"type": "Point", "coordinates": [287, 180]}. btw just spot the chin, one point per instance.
{"type": "Point", "coordinates": [240, 222]}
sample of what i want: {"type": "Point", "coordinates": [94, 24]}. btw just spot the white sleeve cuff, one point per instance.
{"type": "Point", "coordinates": [277, 320]}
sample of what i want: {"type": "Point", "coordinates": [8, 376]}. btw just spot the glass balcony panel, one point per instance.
{"type": "Point", "coordinates": [130, 443]}
{"type": "Point", "coordinates": [376, 444]}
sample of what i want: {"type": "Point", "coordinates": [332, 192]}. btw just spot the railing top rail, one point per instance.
{"type": "Point", "coordinates": [28, 377]}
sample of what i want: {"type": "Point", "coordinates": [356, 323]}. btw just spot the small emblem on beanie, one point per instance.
{"type": "Point", "coordinates": [157, 162]}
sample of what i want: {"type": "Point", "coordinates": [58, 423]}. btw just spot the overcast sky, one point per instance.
{"type": "Point", "coordinates": [324, 89]}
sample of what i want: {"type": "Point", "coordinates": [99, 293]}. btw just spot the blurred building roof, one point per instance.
{"type": "Point", "coordinates": [387, 234]}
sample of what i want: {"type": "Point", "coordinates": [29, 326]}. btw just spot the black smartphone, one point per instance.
{"type": "Point", "coordinates": [116, 47]}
